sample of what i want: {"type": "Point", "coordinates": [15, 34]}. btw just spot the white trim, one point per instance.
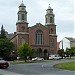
{"type": "Point", "coordinates": [22, 33]}
{"type": "Point", "coordinates": [49, 23]}
{"type": "Point", "coordinates": [53, 34]}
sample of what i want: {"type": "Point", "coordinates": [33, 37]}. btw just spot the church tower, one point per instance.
{"type": "Point", "coordinates": [22, 25]}
{"type": "Point", "coordinates": [50, 24]}
{"type": "Point", "coordinates": [49, 17]}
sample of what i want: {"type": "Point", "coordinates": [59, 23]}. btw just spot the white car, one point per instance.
{"type": "Point", "coordinates": [37, 58]}
{"type": "Point", "coordinates": [34, 59]}
{"type": "Point", "coordinates": [51, 57]}
{"type": "Point", "coordinates": [57, 57]}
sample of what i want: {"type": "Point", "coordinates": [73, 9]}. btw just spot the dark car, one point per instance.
{"type": "Point", "coordinates": [4, 64]}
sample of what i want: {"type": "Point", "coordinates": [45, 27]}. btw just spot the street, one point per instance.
{"type": "Point", "coordinates": [42, 68]}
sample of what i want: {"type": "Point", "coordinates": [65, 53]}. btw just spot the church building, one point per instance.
{"type": "Point", "coordinates": [42, 38]}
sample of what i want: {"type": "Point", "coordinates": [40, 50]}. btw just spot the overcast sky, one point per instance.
{"type": "Point", "coordinates": [63, 10]}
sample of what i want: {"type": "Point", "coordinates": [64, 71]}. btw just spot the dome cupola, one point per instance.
{"type": "Point", "coordinates": [49, 17]}
{"type": "Point", "coordinates": [22, 14]}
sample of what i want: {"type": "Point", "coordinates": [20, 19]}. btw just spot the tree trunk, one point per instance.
{"type": "Point", "coordinates": [25, 59]}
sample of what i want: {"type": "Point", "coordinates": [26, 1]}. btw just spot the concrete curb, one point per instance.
{"type": "Point", "coordinates": [2, 72]}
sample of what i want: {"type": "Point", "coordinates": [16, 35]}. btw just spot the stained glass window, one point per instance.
{"type": "Point", "coordinates": [39, 37]}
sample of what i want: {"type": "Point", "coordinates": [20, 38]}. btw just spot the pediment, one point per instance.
{"type": "Point", "coordinates": [38, 26]}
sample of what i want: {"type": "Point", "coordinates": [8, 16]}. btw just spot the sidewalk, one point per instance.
{"type": "Point", "coordinates": [2, 72]}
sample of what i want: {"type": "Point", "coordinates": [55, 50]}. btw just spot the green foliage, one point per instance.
{"type": "Point", "coordinates": [61, 52]}
{"type": "Point", "coordinates": [24, 50]}
{"type": "Point", "coordinates": [3, 35]}
{"type": "Point", "coordinates": [69, 52]}
{"type": "Point", "coordinates": [5, 47]}
{"type": "Point", "coordinates": [73, 50]}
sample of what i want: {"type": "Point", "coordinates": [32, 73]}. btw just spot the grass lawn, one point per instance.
{"type": "Point", "coordinates": [23, 62]}
{"type": "Point", "coordinates": [66, 66]}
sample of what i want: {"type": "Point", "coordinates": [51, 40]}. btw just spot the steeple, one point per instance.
{"type": "Point", "coordinates": [22, 4]}
{"type": "Point", "coordinates": [22, 0]}
{"type": "Point", "coordinates": [49, 7]}
{"type": "Point", "coordinates": [49, 17]}
{"type": "Point", "coordinates": [22, 13]}
{"type": "Point", "coordinates": [22, 24]}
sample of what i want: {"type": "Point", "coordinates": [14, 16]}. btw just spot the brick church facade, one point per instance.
{"type": "Point", "coordinates": [41, 38]}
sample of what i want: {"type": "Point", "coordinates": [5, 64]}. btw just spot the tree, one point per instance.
{"type": "Point", "coordinates": [67, 52]}
{"type": "Point", "coordinates": [5, 47]}
{"type": "Point", "coordinates": [24, 50]}
{"type": "Point", "coordinates": [61, 52]}
{"type": "Point", "coordinates": [72, 51]}
{"type": "Point", "coordinates": [3, 35]}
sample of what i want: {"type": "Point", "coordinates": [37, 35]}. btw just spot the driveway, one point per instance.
{"type": "Point", "coordinates": [42, 68]}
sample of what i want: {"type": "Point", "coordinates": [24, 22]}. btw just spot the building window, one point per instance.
{"type": "Point", "coordinates": [23, 27]}
{"type": "Point", "coordinates": [46, 20]}
{"type": "Point", "coordinates": [23, 40]}
{"type": "Point", "coordinates": [51, 29]}
{"type": "Point", "coordinates": [22, 16]}
{"type": "Point", "coordinates": [18, 16]}
{"type": "Point", "coordinates": [39, 37]}
{"type": "Point", "coordinates": [52, 43]}
{"type": "Point", "coordinates": [51, 19]}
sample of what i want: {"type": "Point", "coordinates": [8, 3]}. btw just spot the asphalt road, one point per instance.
{"type": "Point", "coordinates": [43, 68]}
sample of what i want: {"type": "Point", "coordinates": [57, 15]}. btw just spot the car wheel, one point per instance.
{"type": "Point", "coordinates": [6, 67]}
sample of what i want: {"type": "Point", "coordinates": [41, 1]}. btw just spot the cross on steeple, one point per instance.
{"type": "Point", "coordinates": [22, 1]}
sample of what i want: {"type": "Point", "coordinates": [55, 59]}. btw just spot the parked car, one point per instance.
{"type": "Point", "coordinates": [34, 59]}
{"type": "Point", "coordinates": [57, 57]}
{"type": "Point", "coordinates": [51, 57]}
{"type": "Point", "coordinates": [37, 58]}
{"type": "Point", "coordinates": [1, 58]}
{"type": "Point", "coordinates": [4, 64]}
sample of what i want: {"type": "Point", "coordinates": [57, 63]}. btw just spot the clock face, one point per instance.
{"type": "Point", "coordinates": [23, 27]}
{"type": "Point", "coordinates": [51, 29]}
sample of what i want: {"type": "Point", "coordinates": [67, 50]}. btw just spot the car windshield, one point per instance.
{"type": "Point", "coordinates": [51, 55]}
{"type": "Point", "coordinates": [2, 61]}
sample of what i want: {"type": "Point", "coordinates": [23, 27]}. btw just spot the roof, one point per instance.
{"type": "Point", "coordinates": [9, 36]}
{"type": "Point", "coordinates": [49, 7]}
{"type": "Point", "coordinates": [70, 38]}
{"type": "Point", "coordinates": [38, 25]}
{"type": "Point", "coordinates": [22, 4]}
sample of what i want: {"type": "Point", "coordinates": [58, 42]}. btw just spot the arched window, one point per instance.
{"type": "Point", "coordinates": [51, 20]}
{"type": "Point", "coordinates": [39, 37]}
{"type": "Point", "coordinates": [23, 17]}
{"type": "Point", "coordinates": [46, 20]}
{"type": "Point", "coordinates": [23, 40]}
{"type": "Point", "coordinates": [52, 43]}
{"type": "Point", "coordinates": [18, 17]}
